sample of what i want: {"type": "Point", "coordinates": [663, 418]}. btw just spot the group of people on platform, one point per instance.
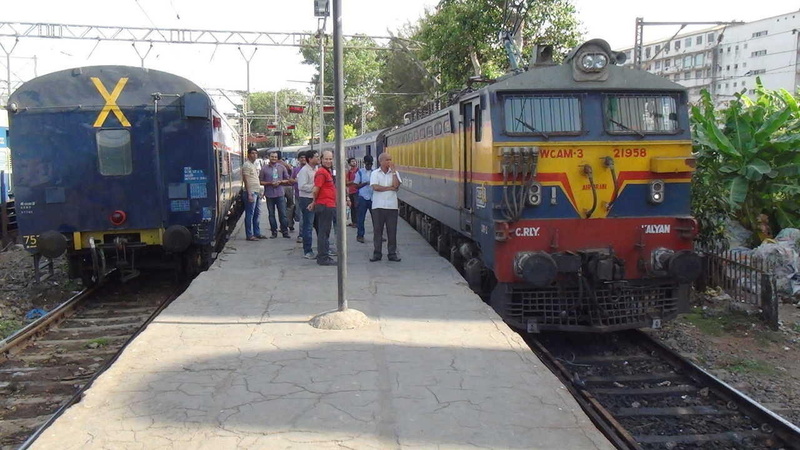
{"type": "Point", "coordinates": [307, 194]}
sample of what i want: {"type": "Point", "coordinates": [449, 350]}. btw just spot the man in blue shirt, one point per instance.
{"type": "Point", "coordinates": [364, 202]}
{"type": "Point", "coordinates": [274, 177]}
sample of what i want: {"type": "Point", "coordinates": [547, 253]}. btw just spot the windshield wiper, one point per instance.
{"type": "Point", "coordinates": [530, 127]}
{"type": "Point", "coordinates": [625, 127]}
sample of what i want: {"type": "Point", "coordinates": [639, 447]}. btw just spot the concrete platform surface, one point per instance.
{"type": "Point", "coordinates": [233, 363]}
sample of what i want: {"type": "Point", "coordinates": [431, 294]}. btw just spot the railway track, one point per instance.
{"type": "Point", "coordinates": [645, 396]}
{"type": "Point", "coordinates": [45, 367]}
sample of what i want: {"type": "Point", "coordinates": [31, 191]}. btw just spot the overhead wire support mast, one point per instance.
{"type": "Point", "coordinates": [171, 35]}
{"type": "Point", "coordinates": [639, 38]}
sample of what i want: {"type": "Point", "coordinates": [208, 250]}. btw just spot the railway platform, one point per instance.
{"type": "Point", "coordinates": [234, 363]}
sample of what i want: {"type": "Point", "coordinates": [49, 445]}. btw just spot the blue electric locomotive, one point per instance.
{"type": "Point", "coordinates": [121, 167]}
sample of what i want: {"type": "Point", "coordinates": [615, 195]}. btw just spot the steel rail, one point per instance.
{"type": "Point", "coordinates": [599, 415]}
{"type": "Point", "coordinates": [781, 427]}
{"type": "Point", "coordinates": [79, 394]}
{"type": "Point", "coordinates": [42, 324]}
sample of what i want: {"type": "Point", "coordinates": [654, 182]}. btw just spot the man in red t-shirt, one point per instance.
{"type": "Point", "coordinates": [324, 207]}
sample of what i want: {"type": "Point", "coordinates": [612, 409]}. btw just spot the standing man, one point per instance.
{"type": "Point", "coordinates": [385, 182]}
{"type": "Point", "coordinates": [251, 195]}
{"type": "Point", "coordinates": [305, 187]}
{"type": "Point", "coordinates": [352, 189]}
{"type": "Point", "coordinates": [288, 191]}
{"type": "Point", "coordinates": [324, 206]}
{"type": "Point", "coordinates": [364, 202]}
{"type": "Point", "coordinates": [298, 210]}
{"type": "Point", "coordinates": [274, 176]}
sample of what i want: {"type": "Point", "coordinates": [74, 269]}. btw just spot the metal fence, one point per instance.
{"type": "Point", "coordinates": [746, 278]}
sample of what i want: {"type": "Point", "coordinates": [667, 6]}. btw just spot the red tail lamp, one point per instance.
{"type": "Point", "coordinates": [118, 217]}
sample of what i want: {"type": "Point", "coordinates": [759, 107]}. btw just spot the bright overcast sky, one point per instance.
{"type": "Point", "coordinates": [275, 68]}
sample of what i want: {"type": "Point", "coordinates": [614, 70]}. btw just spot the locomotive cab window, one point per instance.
{"type": "Point", "coordinates": [542, 115]}
{"type": "Point", "coordinates": [114, 152]}
{"type": "Point", "coordinates": [641, 114]}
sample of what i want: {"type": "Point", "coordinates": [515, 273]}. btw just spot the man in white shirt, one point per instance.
{"type": "Point", "coordinates": [305, 187]}
{"type": "Point", "coordinates": [385, 181]}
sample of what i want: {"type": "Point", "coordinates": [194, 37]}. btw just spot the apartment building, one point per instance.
{"type": "Point", "coordinates": [727, 59]}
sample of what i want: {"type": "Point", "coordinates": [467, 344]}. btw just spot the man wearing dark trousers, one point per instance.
{"type": "Point", "coordinates": [385, 182]}
{"type": "Point", "coordinates": [324, 207]}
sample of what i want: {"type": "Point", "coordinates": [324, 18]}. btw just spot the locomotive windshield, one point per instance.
{"type": "Point", "coordinates": [641, 114]}
{"type": "Point", "coordinates": [542, 115]}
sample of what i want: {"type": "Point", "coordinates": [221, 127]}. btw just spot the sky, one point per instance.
{"type": "Point", "coordinates": [273, 68]}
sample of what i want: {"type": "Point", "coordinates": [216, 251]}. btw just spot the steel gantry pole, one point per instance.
{"type": "Point", "coordinates": [341, 177]}
{"type": "Point", "coordinates": [321, 89]}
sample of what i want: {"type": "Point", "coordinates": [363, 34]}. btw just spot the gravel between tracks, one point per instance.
{"type": "Point", "coordinates": [19, 293]}
{"type": "Point", "coordinates": [762, 363]}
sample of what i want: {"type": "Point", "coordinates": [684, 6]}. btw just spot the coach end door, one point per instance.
{"type": "Point", "coordinates": [470, 134]}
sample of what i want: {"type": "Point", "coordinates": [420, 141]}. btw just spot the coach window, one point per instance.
{"type": "Point", "coordinates": [114, 152]}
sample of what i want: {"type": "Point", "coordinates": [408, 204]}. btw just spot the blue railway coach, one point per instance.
{"type": "Point", "coordinates": [121, 167]}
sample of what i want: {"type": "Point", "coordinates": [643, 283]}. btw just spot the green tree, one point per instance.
{"type": "Point", "coordinates": [404, 83]}
{"type": "Point", "coordinates": [461, 34]}
{"type": "Point", "coordinates": [749, 155]}
{"type": "Point", "coordinates": [349, 132]}
{"type": "Point", "coordinates": [361, 72]}
{"type": "Point", "coordinates": [263, 105]}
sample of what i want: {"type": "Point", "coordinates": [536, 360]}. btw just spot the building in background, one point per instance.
{"type": "Point", "coordinates": [727, 59]}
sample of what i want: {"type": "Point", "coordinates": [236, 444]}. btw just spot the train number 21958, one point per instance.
{"type": "Point", "coordinates": [630, 152]}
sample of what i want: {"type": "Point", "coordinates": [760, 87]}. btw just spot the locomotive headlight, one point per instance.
{"type": "Point", "coordinates": [535, 194]}
{"type": "Point", "coordinates": [594, 62]}
{"type": "Point", "coordinates": [656, 191]}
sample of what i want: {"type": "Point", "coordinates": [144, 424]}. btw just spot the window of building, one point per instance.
{"type": "Point", "coordinates": [699, 40]}
{"type": "Point", "coordinates": [728, 68]}
{"type": "Point", "coordinates": [666, 63]}
{"type": "Point", "coordinates": [677, 45]}
{"type": "Point", "coordinates": [658, 49]}
{"type": "Point", "coordinates": [729, 50]}
{"type": "Point", "coordinates": [699, 59]}
{"type": "Point", "coordinates": [719, 86]}
{"type": "Point", "coordinates": [745, 45]}
{"type": "Point", "coordinates": [758, 53]}
{"type": "Point", "coordinates": [760, 33]}
{"type": "Point", "coordinates": [687, 42]}
{"type": "Point", "coordinates": [744, 65]}
{"type": "Point", "coordinates": [698, 74]}
{"type": "Point", "coordinates": [687, 75]}
{"type": "Point", "coordinates": [688, 61]}
{"type": "Point", "coordinates": [710, 38]}
{"type": "Point", "coordinates": [658, 65]}
{"type": "Point", "coordinates": [647, 52]}
{"type": "Point", "coordinates": [708, 73]}
{"type": "Point", "coordinates": [540, 114]}
{"type": "Point", "coordinates": [735, 66]}
{"type": "Point", "coordinates": [726, 85]}
{"type": "Point", "coordinates": [736, 49]}
{"type": "Point", "coordinates": [114, 152]}
{"type": "Point", "coordinates": [743, 83]}
{"type": "Point", "coordinates": [677, 77]}
{"type": "Point", "coordinates": [758, 71]}
{"type": "Point", "coordinates": [735, 83]}
{"type": "Point", "coordinates": [666, 47]}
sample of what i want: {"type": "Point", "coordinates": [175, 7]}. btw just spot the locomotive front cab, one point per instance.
{"type": "Point", "coordinates": [589, 197]}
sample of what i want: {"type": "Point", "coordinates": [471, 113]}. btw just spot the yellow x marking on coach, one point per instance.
{"type": "Point", "coordinates": [111, 102]}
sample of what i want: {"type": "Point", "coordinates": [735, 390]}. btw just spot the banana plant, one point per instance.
{"type": "Point", "coordinates": [753, 145]}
